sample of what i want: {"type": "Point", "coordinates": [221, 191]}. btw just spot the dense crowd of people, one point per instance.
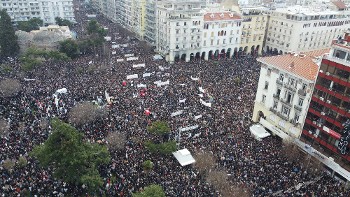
{"type": "Point", "coordinates": [228, 84]}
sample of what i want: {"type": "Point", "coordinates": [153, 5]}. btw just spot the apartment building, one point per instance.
{"type": "Point", "coordinates": [327, 123]}
{"type": "Point", "coordinates": [301, 29]}
{"type": "Point", "coordinates": [178, 25]}
{"type": "Point", "coordinates": [253, 30]}
{"type": "Point", "coordinates": [284, 91]}
{"type": "Point", "coordinates": [23, 10]}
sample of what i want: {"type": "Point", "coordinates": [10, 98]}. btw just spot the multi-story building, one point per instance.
{"type": "Point", "coordinates": [284, 91]}
{"type": "Point", "coordinates": [220, 35]}
{"type": "Point", "coordinates": [47, 10]}
{"type": "Point", "coordinates": [176, 23]}
{"type": "Point", "coordinates": [301, 29]}
{"type": "Point", "coordinates": [330, 105]}
{"type": "Point", "coordinates": [253, 30]}
{"type": "Point", "coordinates": [150, 26]}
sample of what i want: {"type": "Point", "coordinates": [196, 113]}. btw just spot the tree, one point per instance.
{"type": "Point", "coordinates": [159, 128]}
{"type": "Point", "coordinates": [63, 22]}
{"type": "Point", "coordinates": [116, 141]}
{"type": "Point", "coordinates": [150, 191]}
{"type": "Point", "coordinates": [70, 48]}
{"type": "Point", "coordinates": [8, 164]}
{"type": "Point", "coordinates": [86, 112]}
{"type": "Point", "coordinates": [9, 87]}
{"type": "Point", "coordinates": [163, 148]}
{"type": "Point", "coordinates": [8, 40]}
{"type": "Point", "coordinates": [73, 160]}
{"type": "Point", "coordinates": [93, 27]}
{"type": "Point", "coordinates": [32, 24]}
{"type": "Point", "coordinates": [147, 165]}
{"type": "Point", "coordinates": [4, 127]}
{"type": "Point", "coordinates": [291, 151]}
{"type": "Point", "coordinates": [22, 161]}
{"type": "Point", "coordinates": [218, 179]}
{"type": "Point", "coordinates": [204, 161]}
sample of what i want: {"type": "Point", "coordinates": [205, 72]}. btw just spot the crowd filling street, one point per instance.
{"type": "Point", "coordinates": [216, 95]}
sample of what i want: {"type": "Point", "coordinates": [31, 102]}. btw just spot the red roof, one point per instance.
{"type": "Point", "coordinates": [339, 4]}
{"type": "Point", "coordinates": [301, 65]}
{"type": "Point", "coordinates": [221, 16]}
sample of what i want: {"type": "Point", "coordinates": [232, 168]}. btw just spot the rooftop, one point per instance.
{"type": "Point", "coordinates": [339, 4]}
{"type": "Point", "coordinates": [217, 16]}
{"type": "Point", "coordinates": [302, 65]}
{"type": "Point", "coordinates": [305, 11]}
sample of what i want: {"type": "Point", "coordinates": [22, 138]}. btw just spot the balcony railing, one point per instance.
{"type": "Point", "coordinates": [290, 87]}
{"type": "Point", "coordinates": [302, 92]}
{"type": "Point", "coordinates": [279, 82]}
{"type": "Point", "coordinates": [297, 107]}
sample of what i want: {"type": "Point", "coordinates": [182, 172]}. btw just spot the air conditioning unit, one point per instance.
{"type": "Point", "coordinates": [327, 73]}
{"type": "Point", "coordinates": [322, 113]}
{"type": "Point", "coordinates": [321, 98]}
{"type": "Point", "coordinates": [328, 101]}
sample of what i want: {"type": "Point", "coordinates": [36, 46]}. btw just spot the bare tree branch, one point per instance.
{"type": "Point", "coordinates": [86, 112]}
{"type": "Point", "coordinates": [116, 141]}
{"type": "Point", "coordinates": [4, 127]}
{"type": "Point", "coordinates": [204, 161]}
{"type": "Point", "coordinates": [9, 87]}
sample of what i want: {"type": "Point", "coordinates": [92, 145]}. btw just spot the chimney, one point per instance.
{"type": "Point", "coordinates": [291, 66]}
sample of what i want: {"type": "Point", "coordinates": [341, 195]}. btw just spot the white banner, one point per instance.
{"type": "Point", "coordinates": [194, 79]}
{"type": "Point", "coordinates": [198, 117]}
{"type": "Point", "coordinates": [189, 128]}
{"type": "Point", "coordinates": [177, 113]}
{"type": "Point", "coordinates": [114, 46]}
{"type": "Point", "coordinates": [160, 83]}
{"type": "Point", "coordinates": [134, 76]}
{"type": "Point", "coordinates": [182, 100]}
{"type": "Point", "coordinates": [161, 68]}
{"type": "Point", "coordinates": [201, 90]}
{"type": "Point", "coordinates": [200, 95]}
{"type": "Point", "coordinates": [204, 103]}
{"type": "Point", "coordinates": [139, 65]}
{"type": "Point", "coordinates": [146, 75]}
{"type": "Point", "coordinates": [141, 85]}
{"type": "Point", "coordinates": [114, 52]}
{"type": "Point", "coordinates": [132, 58]}
{"type": "Point", "coordinates": [120, 60]}
{"type": "Point", "coordinates": [25, 79]}
{"type": "Point", "coordinates": [129, 55]}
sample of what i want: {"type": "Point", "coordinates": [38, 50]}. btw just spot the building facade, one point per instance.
{"type": "Point", "coordinates": [329, 108]}
{"type": "Point", "coordinates": [253, 30]}
{"type": "Point", "coordinates": [301, 29]}
{"type": "Point", "coordinates": [23, 10]}
{"type": "Point", "coordinates": [284, 92]}
{"type": "Point", "coordinates": [178, 25]}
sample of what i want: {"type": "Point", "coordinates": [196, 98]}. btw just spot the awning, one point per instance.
{"type": "Point", "coordinates": [274, 129]}
{"type": "Point", "coordinates": [184, 157]}
{"type": "Point", "coordinates": [332, 133]}
{"type": "Point", "coordinates": [258, 131]}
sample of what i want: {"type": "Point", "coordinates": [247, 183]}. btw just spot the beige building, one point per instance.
{"type": "Point", "coordinates": [253, 30]}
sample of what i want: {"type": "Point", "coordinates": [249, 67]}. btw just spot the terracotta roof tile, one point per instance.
{"type": "Point", "coordinates": [221, 16]}
{"type": "Point", "coordinates": [339, 4]}
{"type": "Point", "coordinates": [301, 65]}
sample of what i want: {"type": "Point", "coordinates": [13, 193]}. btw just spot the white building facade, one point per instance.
{"type": "Point", "coordinates": [284, 91]}
{"type": "Point", "coordinates": [23, 10]}
{"type": "Point", "coordinates": [300, 29]}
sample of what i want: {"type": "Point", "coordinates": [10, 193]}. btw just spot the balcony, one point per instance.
{"type": "Point", "coordinates": [290, 87]}
{"type": "Point", "coordinates": [302, 92]}
{"type": "Point", "coordinates": [279, 82]}
{"type": "Point", "coordinates": [276, 96]}
{"type": "Point", "coordinates": [284, 101]}
{"type": "Point", "coordinates": [297, 107]}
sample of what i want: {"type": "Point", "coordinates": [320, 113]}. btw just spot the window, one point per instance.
{"type": "Point", "coordinates": [304, 86]}
{"type": "Point", "coordinates": [285, 110]}
{"type": "Point", "coordinates": [281, 77]}
{"type": "Point", "coordinates": [275, 104]}
{"type": "Point", "coordinates": [185, 24]}
{"type": "Point", "coordinates": [300, 102]}
{"type": "Point", "coordinates": [296, 117]}
{"type": "Point", "coordinates": [289, 97]}
{"type": "Point", "coordinates": [268, 71]}
{"type": "Point", "coordinates": [278, 92]}
{"type": "Point", "coordinates": [266, 85]}
{"type": "Point", "coordinates": [263, 98]}
{"type": "Point", "coordinates": [177, 24]}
